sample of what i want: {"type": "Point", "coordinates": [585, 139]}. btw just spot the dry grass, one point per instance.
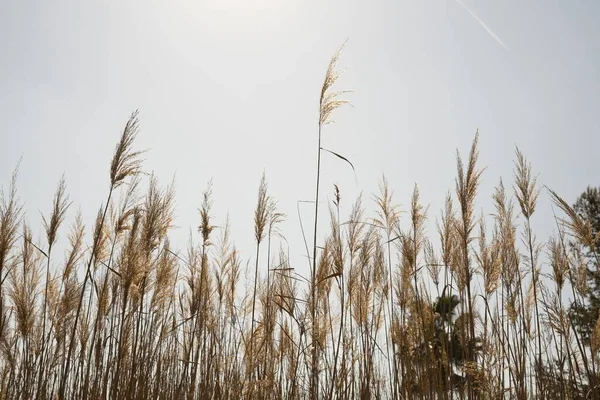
{"type": "Point", "coordinates": [127, 316]}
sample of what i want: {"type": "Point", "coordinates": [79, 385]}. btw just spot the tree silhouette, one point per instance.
{"type": "Point", "coordinates": [584, 316]}
{"type": "Point", "coordinates": [448, 350]}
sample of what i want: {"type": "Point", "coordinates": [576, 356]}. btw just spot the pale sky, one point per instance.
{"type": "Point", "coordinates": [228, 89]}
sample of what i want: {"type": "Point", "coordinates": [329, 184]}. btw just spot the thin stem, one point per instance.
{"type": "Point", "coordinates": [64, 377]}
{"type": "Point", "coordinates": [314, 381]}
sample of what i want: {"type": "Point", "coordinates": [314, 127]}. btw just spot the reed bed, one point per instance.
{"type": "Point", "coordinates": [386, 311]}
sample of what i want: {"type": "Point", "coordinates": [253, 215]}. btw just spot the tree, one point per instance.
{"type": "Point", "coordinates": [584, 316]}
{"type": "Point", "coordinates": [447, 347]}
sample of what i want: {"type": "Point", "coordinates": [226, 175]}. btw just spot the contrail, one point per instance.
{"type": "Point", "coordinates": [487, 29]}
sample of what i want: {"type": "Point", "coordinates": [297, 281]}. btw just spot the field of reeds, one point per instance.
{"type": "Point", "coordinates": [383, 312]}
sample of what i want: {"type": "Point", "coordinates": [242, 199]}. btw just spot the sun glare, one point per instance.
{"type": "Point", "coordinates": [240, 16]}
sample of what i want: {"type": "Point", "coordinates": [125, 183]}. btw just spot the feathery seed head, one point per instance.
{"type": "Point", "coordinates": [261, 213]}
{"type": "Point", "coordinates": [330, 101]}
{"type": "Point", "coordinates": [205, 227]}
{"type": "Point", "coordinates": [526, 191]}
{"type": "Point", "coordinates": [59, 209]}
{"type": "Point", "coordinates": [76, 243]}
{"type": "Point", "coordinates": [125, 161]}
{"type": "Point", "coordinates": [10, 218]}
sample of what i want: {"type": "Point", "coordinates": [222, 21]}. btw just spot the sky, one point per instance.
{"type": "Point", "coordinates": [229, 89]}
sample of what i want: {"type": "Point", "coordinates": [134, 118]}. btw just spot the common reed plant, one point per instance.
{"type": "Point", "coordinates": [478, 309]}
